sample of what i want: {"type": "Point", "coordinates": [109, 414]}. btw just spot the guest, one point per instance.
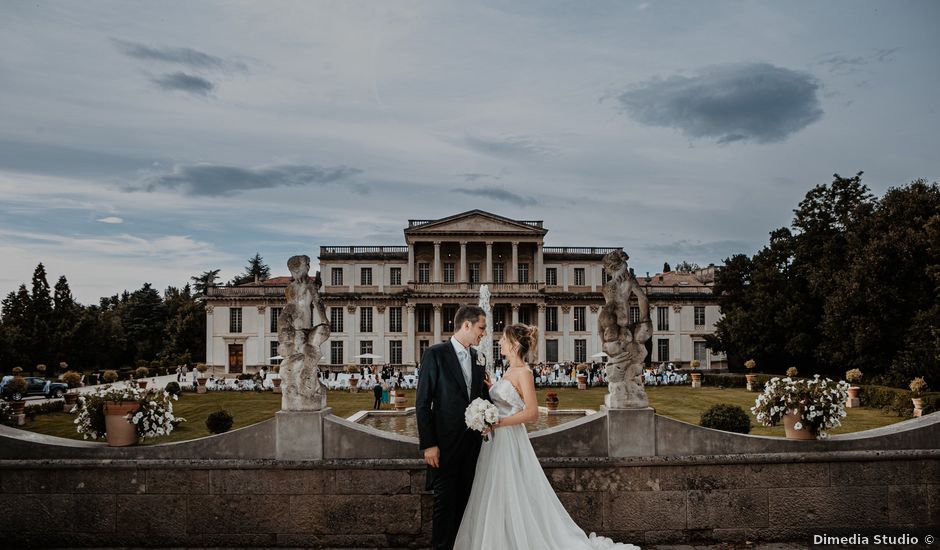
{"type": "Point", "coordinates": [377, 392]}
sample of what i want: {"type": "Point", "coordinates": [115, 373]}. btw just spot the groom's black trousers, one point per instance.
{"type": "Point", "coordinates": [451, 484]}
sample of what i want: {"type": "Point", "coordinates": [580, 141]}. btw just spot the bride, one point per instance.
{"type": "Point", "coordinates": [512, 504]}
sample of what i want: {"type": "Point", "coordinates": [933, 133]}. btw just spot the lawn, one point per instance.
{"type": "Point", "coordinates": [679, 402]}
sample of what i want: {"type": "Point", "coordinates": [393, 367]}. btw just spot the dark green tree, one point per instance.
{"type": "Point", "coordinates": [143, 319]}
{"type": "Point", "coordinates": [203, 280]}
{"type": "Point", "coordinates": [256, 269]}
{"type": "Point", "coordinates": [40, 321]}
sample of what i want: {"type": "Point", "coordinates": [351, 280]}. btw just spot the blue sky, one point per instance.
{"type": "Point", "coordinates": [147, 141]}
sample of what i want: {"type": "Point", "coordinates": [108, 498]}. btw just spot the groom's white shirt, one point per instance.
{"type": "Point", "coordinates": [463, 355]}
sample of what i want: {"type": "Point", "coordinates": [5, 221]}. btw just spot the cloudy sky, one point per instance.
{"type": "Point", "coordinates": [151, 141]}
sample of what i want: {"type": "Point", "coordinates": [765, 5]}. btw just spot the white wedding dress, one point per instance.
{"type": "Point", "coordinates": [512, 505]}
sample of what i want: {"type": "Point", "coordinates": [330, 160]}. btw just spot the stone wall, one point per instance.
{"type": "Point", "coordinates": [382, 503]}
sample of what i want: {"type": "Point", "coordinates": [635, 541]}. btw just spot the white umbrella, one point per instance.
{"type": "Point", "coordinates": [599, 354]}
{"type": "Point", "coordinates": [275, 358]}
{"type": "Point", "coordinates": [367, 356]}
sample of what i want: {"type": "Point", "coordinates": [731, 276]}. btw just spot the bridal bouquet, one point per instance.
{"type": "Point", "coordinates": [481, 414]}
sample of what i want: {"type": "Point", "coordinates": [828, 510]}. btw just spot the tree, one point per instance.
{"type": "Point", "coordinates": [666, 268]}
{"type": "Point", "coordinates": [204, 280]}
{"type": "Point", "coordinates": [143, 319]}
{"type": "Point", "coordinates": [184, 338]}
{"type": "Point", "coordinates": [39, 320]}
{"type": "Point", "coordinates": [686, 266]}
{"type": "Point", "coordinates": [256, 269]}
{"type": "Point", "coordinates": [66, 313]}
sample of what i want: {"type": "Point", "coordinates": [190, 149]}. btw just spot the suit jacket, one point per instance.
{"type": "Point", "coordinates": [442, 397]}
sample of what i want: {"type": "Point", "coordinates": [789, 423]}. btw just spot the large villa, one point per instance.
{"type": "Point", "coordinates": [395, 301]}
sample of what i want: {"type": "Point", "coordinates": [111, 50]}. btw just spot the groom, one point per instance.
{"type": "Point", "coordinates": [450, 379]}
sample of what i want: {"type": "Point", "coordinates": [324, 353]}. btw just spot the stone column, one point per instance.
{"type": "Point", "coordinates": [263, 348]}
{"type": "Point", "coordinates": [352, 326]}
{"type": "Point", "coordinates": [410, 271]}
{"type": "Point", "coordinates": [210, 322]}
{"type": "Point", "coordinates": [541, 356]}
{"type": "Point", "coordinates": [514, 268]}
{"type": "Point", "coordinates": [594, 344]}
{"type": "Point", "coordinates": [564, 277]}
{"type": "Point", "coordinates": [515, 313]}
{"type": "Point", "coordinates": [463, 262]}
{"type": "Point", "coordinates": [488, 276]}
{"type": "Point", "coordinates": [436, 268]}
{"type": "Point", "coordinates": [539, 265]}
{"type": "Point", "coordinates": [437, 324]}
{"type": "Point", "coordinates": [563, 353]}
{"type": "Point", "coordinates": [408, 353]}
{"type": "Point", "coordinates": [379, 328]}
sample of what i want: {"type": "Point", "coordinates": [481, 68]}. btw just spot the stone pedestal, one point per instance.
{"type": "Point", "coordinates": [696, 380]}
{"type": "Point", "coordinates": [853, 402]}
{"type": "Point", "coordinates": [750, 387]}
{"type": "Point", "coordinates": [299, 434]}
{"type": "Point", "coordinates": [918, 413]}
{"type": "Point", "coordinates": [20, 419]}
{"type": "Point", "coordinates": [631, 432]}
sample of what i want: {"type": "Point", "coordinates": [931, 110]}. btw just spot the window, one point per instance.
{"type": "Point", "coordinates": [365, 347]}
{"type": "Point", "coordinates": [551, 351]}
{"type": "Point", "coordinates": [580, 351]}
{"type": "Point", "coordinates": [700, 316]}
{"type": "Point", "coordinates": [423, 345]}
{"type": "Point", "coordinates": [634, 314]}
{"type": "Point", "coordinates": [424, 319]}
{"type": "Point", "coordinates": [499, 319]}
{"type": "Point", "coordinates": [365, 276]}
{"type": "Point", "coordinates": [395, 276]}
{"type": "Point", "coordinates": [394, 352]}
{"type": "Point", "coordinates": [394, 319]}
{"type": "Point", "coordinates": [365, 319]}
{"type": "Point", "coordinates": [275, 315]}
{"type": "Point", "coordinates": [474, 273]}
{"type": "Point", "coordinates": [662, 345]}
{"type": "Point", "coordinates": [424, 272]}
{"type": "Point", "coordinates": [496, 355]}
{"type": "Point", "coordinates": [551, 320]}
{"type": "Point", "coordinates": [336, 352]}
{"type": "Point", "coordinates": [523, 273]}
{"type": "Point", "coordinates": [579, 276]}
{"type": "Point", "coordinates": [336, 276]}
{"type": "Point", "coordinates": [525, 316]}
{"type": "Point", "coordinates": [336, 319]}
{"type": "Point", "coordinates": [498, 275]}
{"type": "Point", "coordinates": [449, 272]}
{"type": "Point", "coordinates": [447, 318]}
{"type": "Point", "coordinates": [605, 277]}
{"type": "Point", "coordinates": [698, 351]}
{"type": "Point", "coordinates": [551, 276]}
{"type": "Point", "coordinates": [235, 319]}
{"type": "Point", "coordinates": [662, 318]}
{"type": "Point", "coordinates": [580, 319]}
{"type": "Point", "coordinates": [272, 352]}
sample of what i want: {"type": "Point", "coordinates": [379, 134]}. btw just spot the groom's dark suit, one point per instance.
{"type": "Point", "coordinates": [440, 404]}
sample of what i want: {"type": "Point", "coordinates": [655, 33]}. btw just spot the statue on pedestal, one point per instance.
{"type": "Point", "coordinates": [624, 341]}
{"type": "Point", "coordinates": [299, 342]}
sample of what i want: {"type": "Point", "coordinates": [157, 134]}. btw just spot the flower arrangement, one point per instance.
{"type": "Point", "coordinates": [918, 387]}
{"type": "Point", "coordinates": [141, 373]}
{"type": "Point", "coordinates": [481, 414]}
{"type": "Point", "coordinates": [202, 368]}
{"type": "Point", "coordinates": [791, 372]}
{"type": "Point", "coordinates": [551, 397]}
{"type": "Point", "coordinates": [750, 364]}
{"type": "Point", "coordinates": [17, 371]}
{"type": "Point", "coordinates": [695, 364]}
{"type": "Point", "coordinates": [154, 417]}
{"type": "Point", "coordinates": [819, 402]}
{"type": "Point", "coordinates": [853, 376]}
{"type": "Point", "coordinates": [6, 414]}
{"type": "Point", "coordinates": [41, 369]}
{"type": "Point", "coordinates": [110, 376]}
{"type": "Point", "coordinates": [72, 379]}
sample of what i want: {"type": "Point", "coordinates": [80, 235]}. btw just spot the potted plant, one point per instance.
{"type": "Point", "coordinates": [17, 371]}
{"type": "Point", "coordinates": [807, 408]}
{"type": "Point", "coordinates": [353, 369]}
{"type": "Point", "coordinates": [123, 416]}
{"type": "Point", "coordinates": [792, 372]}
{"type": "Point", "coordinates": [139, 374]}
{"type": "Point", "coordinates": [41, 370]}
{"type": "Point", "coordinates": [695, 375]}
{"type": "Point", "coordinates": [582, 376]}
{"type": "Point", "coordinates": [73, 380]}
{"type": "Point", "coordinates": [15, 390]}
{"type": "Point", "coordinates": [918, 389]}
{"type": "Point", "coordinates": [551, 401]}
{"type": "Point", "coordinates": [750, 364]}
{"type": "Point", "coordinates": [201, 378]}
{"type": "Point", "coordinates": [110, 376]}
{"type": "Point", "coordinates": [276, 379]}
{"type": "Point", "coordinates": [400, 402]}
{"type": "Point", "coordinates": [853, 377]}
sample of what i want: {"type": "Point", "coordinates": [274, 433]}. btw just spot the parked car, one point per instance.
{"type": "Point", "coordinates": [34, 386]}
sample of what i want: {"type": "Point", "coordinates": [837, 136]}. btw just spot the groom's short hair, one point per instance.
{"type": "Point", "coordinates": [467, 313]}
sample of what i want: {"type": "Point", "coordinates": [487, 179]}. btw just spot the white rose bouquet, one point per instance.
{"type": "Point", "coordinates": [481, 414]}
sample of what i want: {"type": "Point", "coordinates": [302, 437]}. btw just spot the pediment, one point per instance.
{"type": "Point", "coordinates": [476, 222]}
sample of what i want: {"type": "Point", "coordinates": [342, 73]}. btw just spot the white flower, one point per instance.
{"type": "Point", "coordinates": [798, 426]}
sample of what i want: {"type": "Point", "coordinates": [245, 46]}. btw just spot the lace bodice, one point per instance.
{"type": "Point", "coordinates": [506, 398]}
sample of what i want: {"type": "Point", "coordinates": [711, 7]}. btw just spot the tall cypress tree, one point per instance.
{"type": "Point", "coordinates": [40, 320]}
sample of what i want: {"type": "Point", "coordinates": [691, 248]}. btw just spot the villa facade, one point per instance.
{"type": "Point", "coordinates": [395, 301]}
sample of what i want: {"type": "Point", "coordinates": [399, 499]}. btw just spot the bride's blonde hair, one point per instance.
{"type": "Point", "coordinates": [527, 338]}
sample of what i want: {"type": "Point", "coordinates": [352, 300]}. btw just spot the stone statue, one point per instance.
{"type": "Point", "coordinates": [623, 341]}
{"type": "Point", "coordinates": [299, 342]}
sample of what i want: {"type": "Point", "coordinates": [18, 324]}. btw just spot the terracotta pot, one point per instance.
{"type": "Point", "coordinates": [119, 431]}
{"type": "Point", "coordinates": [789, 420]}
{"type": "Point", "coordinates": [70, 400]}
{"type": "Point", "coordinates": [400, 403]}
{"type": "Point", "coordinates": [853, 392]}
{"type": "Point", "coordinates": [18, 406]}
{"type": "Point", "coordinates": [696, 376]}
{"type": "Point", "coordinates": [277, 382]}
{"type": "Point", "coordinates": [353, 384]}
{"type": "Point", "coordinates": [750, 378]}
{"type": "Point", "coordinates": [202, 381]}
{"type": "Point", "coordinates": [551, 405]}
{"type": "Point", "coordinates": [142, 384]}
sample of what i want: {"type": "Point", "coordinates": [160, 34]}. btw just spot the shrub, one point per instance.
{"type": "Point", "coordinates": [44, 408]}
{"type": "Point", "coordinates": [220, 421]}
{"type": "Point", "coordinates": [63, 365]}
{"type": "Point", "coordinates": [854, 376]}
{"type": "Point", "coordinates": [110, 376]}
{"type": "Point", "coordinates": [17, 371]}
{"type": "Point", "coordinates": [695, 364]}
{"type": "Point", "coordinates": [201, 367]}
{"type": "Point", "coordinates": [726, 417]}
{"type": "Point", "coordinates": [918, 387]}
{"type": "Point", "coordinates": [17, 385]}
{"type": "Point", "coordinates": [791, 372]}
{"type": "Point", "coordinates": [6, 414]}
{"type": "Point", "coordinates": [750, 364]}
{"type": "Point", "coordinates": [173, 388]}
{"type": "Point", "coordinates": [141, 372]}
{"type": "Point", "coordinates": [72, 378]}
{"type": "Point", "coordinates": [41, 369]}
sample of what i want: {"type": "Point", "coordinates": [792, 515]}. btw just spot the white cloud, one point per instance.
{"type": "Point", "coordinates": [111, 219]}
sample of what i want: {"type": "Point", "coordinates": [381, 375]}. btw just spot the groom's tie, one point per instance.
{"type": "Point", "coordinates": [464, 357]}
